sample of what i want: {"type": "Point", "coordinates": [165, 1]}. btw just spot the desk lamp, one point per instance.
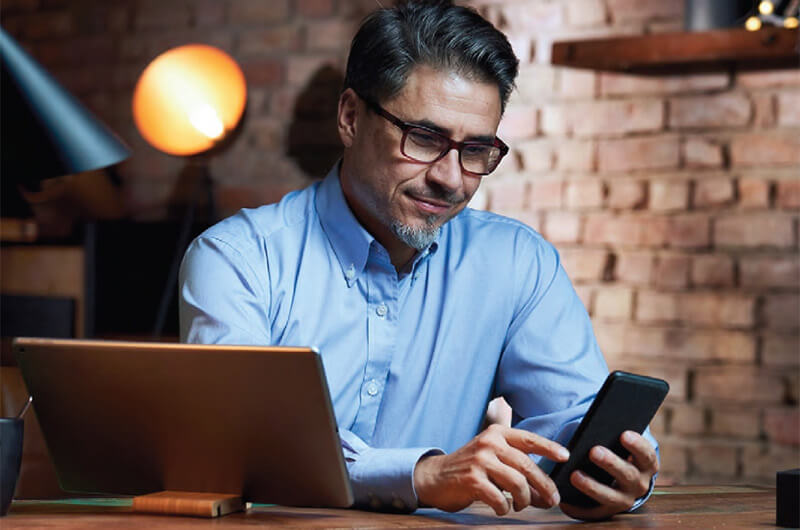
{"type": "Point", "coordinates": [188, 102]}
{"type": "Point", "coordinates": [46, 132]}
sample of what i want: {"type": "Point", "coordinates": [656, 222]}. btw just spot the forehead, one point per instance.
{"type": "Point", "coordinates": [450, 100]}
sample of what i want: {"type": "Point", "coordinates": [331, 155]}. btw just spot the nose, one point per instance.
{"type": "Point", "coordinates": [446, 171]}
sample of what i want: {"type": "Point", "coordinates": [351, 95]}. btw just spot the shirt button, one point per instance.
{"type": "Point", "coordinates": [372, 388]}
{"type": "Point", "coordinates": [350, 272]}
{"type": "Point", "coordinates": [381, 310]}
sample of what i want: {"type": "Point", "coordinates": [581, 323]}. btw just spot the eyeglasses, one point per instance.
{"type": "Point", "coordinates": [422, 144]}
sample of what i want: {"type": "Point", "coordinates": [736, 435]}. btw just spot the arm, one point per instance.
{"type": "Point", "coordinates": [550, 371]}
{"type": "Point", "coordinates": [224, 301]}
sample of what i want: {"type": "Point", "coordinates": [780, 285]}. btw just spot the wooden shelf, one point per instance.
{"type": "Point", "coordinates": [770, 47]}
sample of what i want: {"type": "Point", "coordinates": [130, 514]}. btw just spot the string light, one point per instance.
{"type": "Point", "coordinates": [766, 15]}
{"type": "Point", "coordinates": [753, 24]}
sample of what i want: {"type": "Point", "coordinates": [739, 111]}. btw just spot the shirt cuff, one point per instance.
{"type": "Point", "coordinates": [383, 479]}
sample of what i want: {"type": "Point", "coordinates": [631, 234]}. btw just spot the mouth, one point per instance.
{"type": "Point", "coordinates": [430, 206]}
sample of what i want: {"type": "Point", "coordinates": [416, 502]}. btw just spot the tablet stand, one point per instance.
{"type": "Point", "coordinates": [188, 503]}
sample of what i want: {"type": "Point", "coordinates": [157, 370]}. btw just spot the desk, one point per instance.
{"type": "Point", "coordinates": [670, 507]}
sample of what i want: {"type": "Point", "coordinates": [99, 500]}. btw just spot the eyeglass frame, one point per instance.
{"type": "Point", "coordinates": [405, 126]}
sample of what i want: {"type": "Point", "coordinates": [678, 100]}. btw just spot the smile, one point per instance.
{"type": "Point", "coordinates": [430, 206]}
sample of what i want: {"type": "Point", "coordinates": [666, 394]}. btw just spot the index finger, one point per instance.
{"type": "Point", "coordinates": [531, 443]}
{"type": "Point", "coordinates": [643, 452]}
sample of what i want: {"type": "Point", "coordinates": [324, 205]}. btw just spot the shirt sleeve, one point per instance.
{"type": "Point", "coordinates": [223, 301]}
{"type": "Point", "coordinates": [551, 366]}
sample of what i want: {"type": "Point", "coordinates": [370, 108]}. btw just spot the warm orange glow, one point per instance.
{"type": "Point", "coordinates": [188, 98]}
{"type": "Point", "coordinates": [752, 24]}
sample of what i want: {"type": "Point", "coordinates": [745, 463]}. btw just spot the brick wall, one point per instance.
{"type": "Point", "coordinates": [674, 201]}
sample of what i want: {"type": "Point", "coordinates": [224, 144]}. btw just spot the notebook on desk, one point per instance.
{"type": "Point", "coordinates": [130, 418]}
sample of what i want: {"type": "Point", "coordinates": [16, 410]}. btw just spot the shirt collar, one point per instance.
{"type": "Point", "coordinates": [350, 241]}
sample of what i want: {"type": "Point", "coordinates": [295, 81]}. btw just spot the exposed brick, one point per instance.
{"type": "Point", "coordinates": [656, 230]}
{"type": "Point", "coordinates": [536, 155]}
{"type": "Point", "coordinates": [634, 268]}
{"type": "Point", "coordinates": [613, 303]}
{"type": "Point", "coordinates": [332, 34]}
{"type": "Point", "coordinates": [736, 422]}
{"type": "Point", "coordinates": [555, 120]}
{"type": "Point", "coordinates": [770, 271]}
{"type": "Point", "coordinates": [715, 460]}
{"type": "Point", "coordinates": [716, 310]}
{"type": "Point", "coordinates": [782, 311]}
{"type": "Point", "coordinates": [683, 343]}
{"type": "Point", "coordinates": [653, 306]}
{"type": "Point", "coordinates": [507, 194]}
{"type": "Point", "coordinates": [315, 8]}
{"type": "Point", "coordinates": [45, 25]}
{"type": "Point", "coordinates": [300, 69]}
{"type": "Point", "coordinates": [631, 154]}
{"type": "Point", "coordinates": [615, 117]}
{"type": "Point", "coordinates": [248, 12]}
{"type": "Point", "coordinates": [535, 83]}
{"type": "Point", "coordinates": [576, 155]}
{"type": "Point", "coordinates": [713, 192]}
{"type": "Point", "coordinates": [604, 228]}
{"type": "Point", "coordinates": [631, 10]}
{"type": "Point", "coordinates": [584, 264]}
{"type": "Point", "coordinates": [609, 337]}
{"type": "Point", "coordinates": [740, 384]}
{"type": "Point", "coordinates": [689, 231]}
{"type": "Point", "coordinates": [263, 72]}
{"type": "Point", "coordinates": [672, 271]}
{"type": "Point", "coordinates": [208, 13]}
{"type": "Point", "coordinates": [687, 418]}
{"type": "Point", "coordinates": [626, 194]}
{"type": "Point", "coordinates": [782, 425]}
{"type": "Point", "coordinates": [768, 78]}
{"type": "Point", "coordinates": [530, 218]}
{"type": "Point", "coordinates": [724, 110]}
{"type": "Point", "coordinates": [781, 350]}
{"type": "Point", "coordinates": [153, 14]}
{"type": "Point", "coordinates": [788, 193]}
{"type": "Point", "coordinates": [533, 17]}
{"type": "Point", "coordinates": [519, 121]}
{"type": "Point", "coordinates": [753, 193]}
{"type": "Point", "coordinates": [764, 115]}
{"type": "Point", "coordinates": [761, 460]}
{"type": "Point", "coordinates": [586, 12]}
{"type": "Point", "coordinates": [702, 153]}
{"type": "Point", "coordinates": [765, 149]}
{"type": "Point", "coordinates": [521, 44]}
{"type": "Point", "coordinates": [586, 193]}
{"type": "Point", "coordinates": [754, 230]}
{"type": "Point", "coordinates": [712, 271]}
{"type": "Point", "coordinates": [674, 460]}
{"type": "Point", "coordinates": [614, 84]}
{"type": "Point", "coordinates": [266, 41]}
{"type": "Point", "coordinates": [562, 227]}
{"type": "Point", "coordinates": [669, 195]}
{"type": "Point", "coordinates": [585, 293]}
{"type": "Point", "coordinates": [546, 194]}
{"type": "Point", "coordinates": [789, 109]}
{"type": "Point", "coordinates": [574, 83]}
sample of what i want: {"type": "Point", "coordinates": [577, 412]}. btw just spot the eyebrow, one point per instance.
{"type": "Point", "coordinates": [427, 124]}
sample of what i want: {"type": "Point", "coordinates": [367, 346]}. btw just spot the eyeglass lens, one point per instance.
{"type": "Point", "coordinates": [427, 146]}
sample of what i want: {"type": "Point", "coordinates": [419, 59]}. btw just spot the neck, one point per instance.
{"type": "Point", "coordinates": [400, 254]}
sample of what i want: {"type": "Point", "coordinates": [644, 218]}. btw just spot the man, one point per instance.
{"type": "Point", "coordinates": [423, 310]}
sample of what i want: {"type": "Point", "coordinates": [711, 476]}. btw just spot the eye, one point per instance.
{"type": "Point", "coordinates": [424, 138]}
{"type": "Point", "coordinates": [476, 150]}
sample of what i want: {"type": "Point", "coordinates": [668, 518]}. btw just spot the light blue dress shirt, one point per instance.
{"type": "Point", "coordinates": [412, 358]}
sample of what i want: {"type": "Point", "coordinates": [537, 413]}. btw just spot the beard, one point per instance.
{"type": "Point", "coordinates": [417, 237]}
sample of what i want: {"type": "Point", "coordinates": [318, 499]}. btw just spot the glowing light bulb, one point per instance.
{"type": "Point", "coordinates": [205, 119]}
{"type": "Point", "coordinates": [766, 7]}
{"type": "Point", "coordinates": [752, 24]}
{"type": "Point", "coordinates": [790, 22]}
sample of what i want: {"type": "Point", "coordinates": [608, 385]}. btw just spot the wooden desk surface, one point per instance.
{"type": "Point", "coordinates": [670, 507]}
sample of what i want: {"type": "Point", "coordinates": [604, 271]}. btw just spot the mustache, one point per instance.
{"type": "Point", "coordinates": [438, 194]}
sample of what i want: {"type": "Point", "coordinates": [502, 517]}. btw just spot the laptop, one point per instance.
{"type": "Point", "coordinates": [132, 418]}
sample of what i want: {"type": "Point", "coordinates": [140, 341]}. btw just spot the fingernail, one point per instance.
{"type": "Point", "coordinates": [628, 436]}
{"type": "Point", "coordinates": [555, 499]}
{"type": "Point", "coordinates": [563, 453]}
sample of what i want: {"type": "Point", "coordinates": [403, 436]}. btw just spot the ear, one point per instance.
{"type": "Point", "coordinates": [347, 116]}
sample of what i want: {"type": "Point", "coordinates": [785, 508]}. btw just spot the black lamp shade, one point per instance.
{"type": "Point", "coordinates": [45, 131]}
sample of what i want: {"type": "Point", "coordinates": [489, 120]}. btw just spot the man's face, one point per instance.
{"type": "Point", "coordinates": [401, 201]}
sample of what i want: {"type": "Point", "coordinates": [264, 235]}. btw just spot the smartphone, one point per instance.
{"type": "Point", "coordinates": [625, 402]}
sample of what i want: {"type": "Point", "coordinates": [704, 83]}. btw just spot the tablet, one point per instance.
{"type": "Point", "coordinates": [625, 402]}
{"type": "Point", "coordinates": [131, 418]}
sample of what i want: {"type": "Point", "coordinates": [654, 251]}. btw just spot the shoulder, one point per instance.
{"type": "Point", "coordinates": [487, 230]}
{"type": "Point", "coordinates": [254, 226]}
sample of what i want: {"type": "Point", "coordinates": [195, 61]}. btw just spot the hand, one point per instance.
{"type": "Point", "coordinates": [632, 478]}
{"type": "Point", "coordinates": [494, 461]}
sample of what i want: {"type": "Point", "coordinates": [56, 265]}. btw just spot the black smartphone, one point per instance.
{"type": "Point", "coordinates": [625, 402]}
